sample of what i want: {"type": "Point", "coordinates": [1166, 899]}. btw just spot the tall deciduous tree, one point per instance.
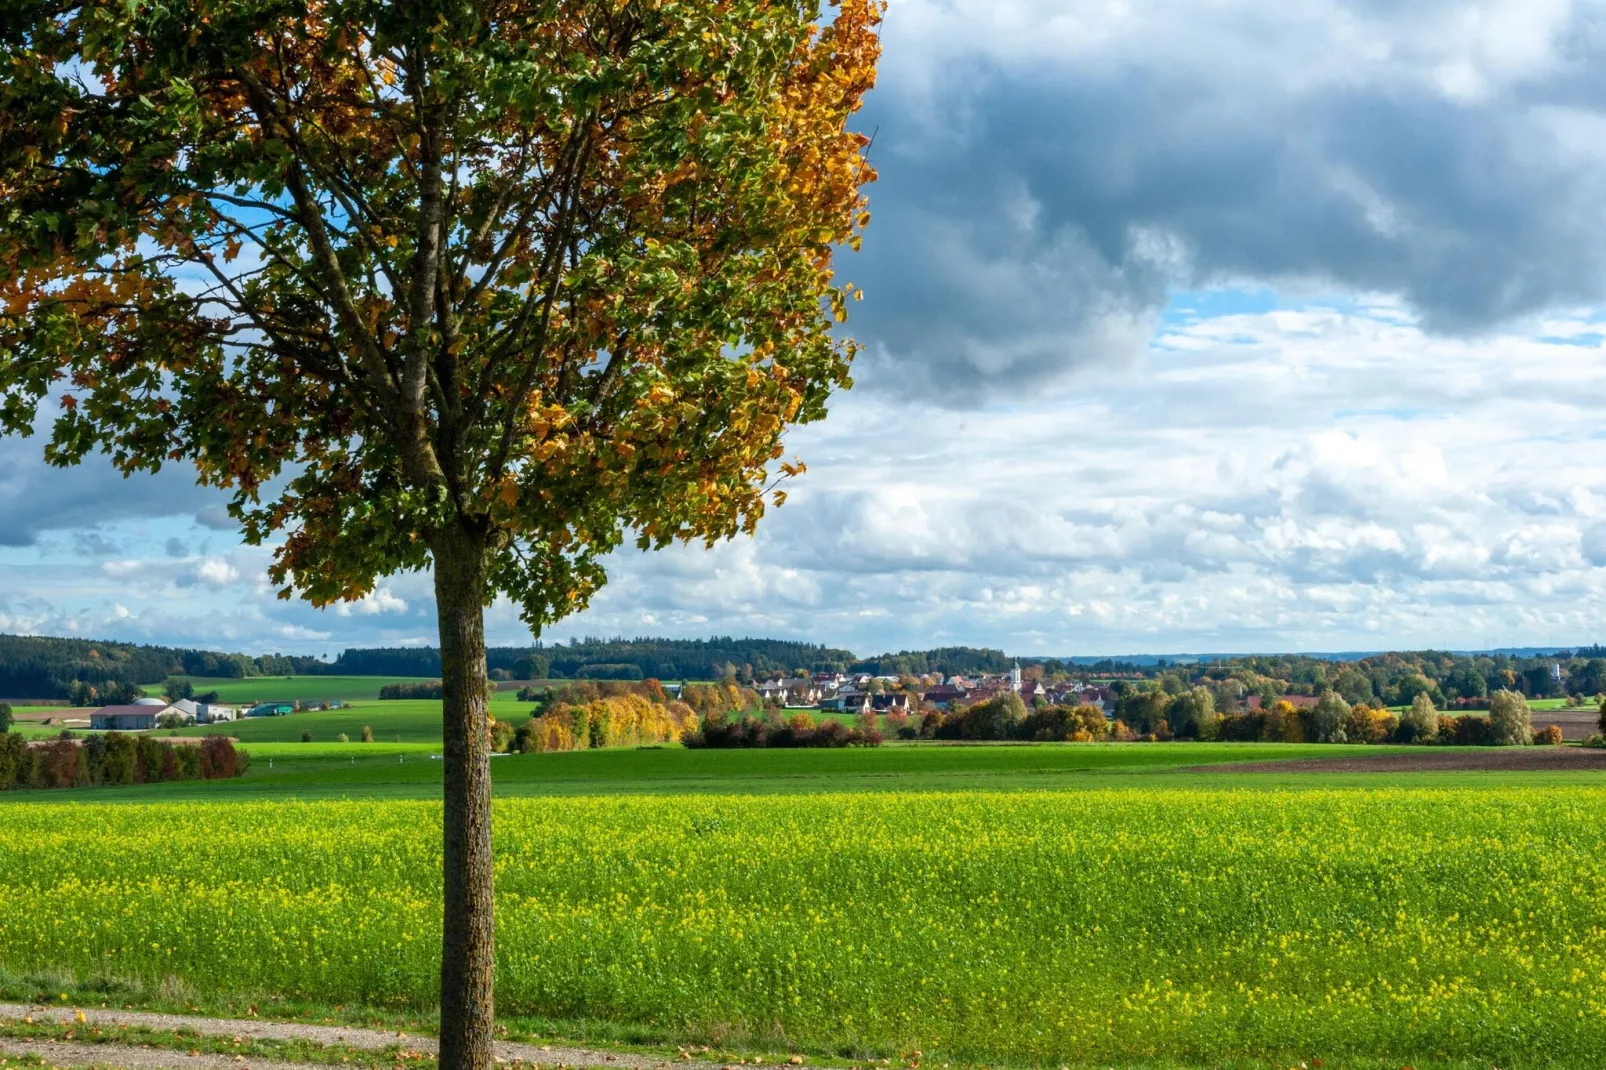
{"type": "Point", "coordinates": [485, 286]}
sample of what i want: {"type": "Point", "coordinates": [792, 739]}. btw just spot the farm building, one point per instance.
{"type": "Point", "coordinates": [271, 709]}
{"type": "Point", "coordinates": [203, 712]}
{"type": "Point", "coordinates": [132, 718]}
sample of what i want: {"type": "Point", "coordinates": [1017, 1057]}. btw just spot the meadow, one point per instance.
{"type": "Point", "coordinates": [254, 689]}
{"type": "Point", "coordinates": [393, 720]}
{"type": "Point", "coordinates": [1111, 925]}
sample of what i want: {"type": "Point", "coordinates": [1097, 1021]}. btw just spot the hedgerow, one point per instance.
{"type": "Point", "coordinates": [115, 758]}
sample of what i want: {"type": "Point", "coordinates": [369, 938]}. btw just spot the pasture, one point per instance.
{"type": "Point", "coordinates": [1116, 925]}
{"type": "Point", "coordinates": [253, 689]}
{"type": "Point", "coordinates": [393, 721]}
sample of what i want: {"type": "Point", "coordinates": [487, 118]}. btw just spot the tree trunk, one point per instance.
{"type": "Point", "coordinates": [467, 940]}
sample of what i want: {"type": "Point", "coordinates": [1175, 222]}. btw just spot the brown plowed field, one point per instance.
{"type": "Point", "coordinates": [1575, 724]}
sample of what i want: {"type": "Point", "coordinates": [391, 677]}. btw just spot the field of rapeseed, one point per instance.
{"type": "Point", "coordinates": [1075, 927]}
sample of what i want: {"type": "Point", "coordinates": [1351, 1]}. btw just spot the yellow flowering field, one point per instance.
{"type": "Point", "coordinates": [1051, 926]}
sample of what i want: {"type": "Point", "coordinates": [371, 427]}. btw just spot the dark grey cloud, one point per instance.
{"type": "Point", "coordinates": [35, 498]}
{"type": "Point", "coordinates": [1034, 207]}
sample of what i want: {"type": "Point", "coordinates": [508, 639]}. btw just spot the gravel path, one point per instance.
{"type": "Point", "coordinates": [133, 1057]}
{"type": "Point", "coordinates": [69, 1054]}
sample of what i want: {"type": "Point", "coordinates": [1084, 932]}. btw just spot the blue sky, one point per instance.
{"type": "Point", "coordinates": [1193, 325]}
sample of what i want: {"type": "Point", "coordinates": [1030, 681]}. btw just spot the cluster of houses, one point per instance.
{"type": "Point", "coordinates": [149, 713]}
{"type": "Point", "coordinates": [859, 693]}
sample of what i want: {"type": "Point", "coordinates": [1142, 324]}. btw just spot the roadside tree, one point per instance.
{"type": "Point", "coordinates": [477, 288]}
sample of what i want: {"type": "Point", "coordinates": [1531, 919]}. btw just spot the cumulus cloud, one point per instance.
{"type": "Point", "coordinates": [1204, 324]}
{"type": "Point", "coordinates": [1048, 170]}
{"type": "Point", "coordinates": [36, 498]}
{"type": "Point", "coordinates": [379, 600]}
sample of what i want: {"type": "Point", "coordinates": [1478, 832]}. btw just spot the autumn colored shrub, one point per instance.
{"type": "Point", "coordinates": [114, 758]}
{"type": "Point", "coordinates": [1066, 724]}
{"type": "Point", "coordinates": [1470, 731]}
{"type": "Point", "coordinates": [750, 732]}
{"type": "Point", "coordinates": [1241, 727]}
{"type": "Point", "coordinates": [1550, 736]}
{"type": "Point", "coordinates": [58, 764]}
{"type": "Point", "coordinates": [627, 719]}
{"type": "Point", "coordinates": [218, 758]}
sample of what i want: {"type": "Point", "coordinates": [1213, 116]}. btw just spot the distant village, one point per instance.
{"type": "Point", "coordinates": [837, 692]}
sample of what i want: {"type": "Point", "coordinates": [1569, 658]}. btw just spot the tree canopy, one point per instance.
{"type": "Point", "coordinates": [553, 271]}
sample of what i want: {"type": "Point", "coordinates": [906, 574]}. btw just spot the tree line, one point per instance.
{"type": "Point", "coordinates": [92, 671]}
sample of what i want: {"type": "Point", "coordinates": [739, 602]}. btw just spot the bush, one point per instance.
{"type": "Point", "coordinates": [1595, 741]}
{"type": "Point", "coordinates": [1285, 723]}
{"type": "Point", "coordinates": [1510, 719]}
{"type": "Point", "coordinates": [342, 738]}
{"type": "Point", "coordinates": [1065, 724]}
{"type": "Point", "coordinates": [1471, 732]}
{"type": "Point", "coordinates": [718, 733]}
{"type": "Point", "coordinates": [306, 736]}
{"type": "Point", "coordinates": [502, 733]}
{"type": "Point", "coordinates": [114, 758]}
{"type": "Point", "coordinates": [1367, 725]}
{"type": "Point", "coordinates": [219, 759]}
{"type": "Point", "coordinates": [1549, 737]}
{"type": "Point", "coordinates": [1241, 727]}
{"type": "Point", "coordinates": [367, 733]}
{"type": "Point", "coordinates": [431, 689]}
{"type": "Point", "coordinates": [995, 719]}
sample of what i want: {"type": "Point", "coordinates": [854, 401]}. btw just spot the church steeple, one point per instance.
{"type": "Point", "coordinates": [1014, 676]}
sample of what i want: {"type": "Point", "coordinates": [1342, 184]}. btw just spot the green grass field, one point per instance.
{"type": "Point", "coordinates": [290, 688]}
{"type": "Point", "coordinates": [1054, 904]}
{"type": "Point", "coordinates": [1142, 924]}
{"type": "Point", "coordinates": [393, 720]}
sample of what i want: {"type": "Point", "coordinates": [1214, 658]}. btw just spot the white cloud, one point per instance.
{"type": "Point", "coordinates": [216, 572]}
{"type": "Point", "coordinates": [379, 600]}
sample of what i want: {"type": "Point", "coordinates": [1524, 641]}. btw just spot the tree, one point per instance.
{"type": "Point", "coordinates": [176, 688]}
{"type": "Point", "coordinates": [531, 667]}
{"type": "Point", "coordinates": [1421, 721]}
{"type": "Point", "coordinates": [5, 717]}
{"type": "Point", "coordinates": [1510, 719]}
{"type": "Point", "coordinates": [486, 287]}
{"type": "Point", "coordinates": [1327, 718]}
{"type": "Point", "coordinates": [1468, 682]}
{"type": "Point", "coordinates": [1193, 713]}
{"type": "Point", "coordinates": [999, 717]}
{"type": "Point", "coordinates": [1407, 687]}
{"type": "Point", "coordinates": [1353, 686]}
{"type": "Point", "coordinates": [1589, 678]}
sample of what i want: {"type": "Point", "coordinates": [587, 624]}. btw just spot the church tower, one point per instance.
{"type": "Point", "coordinates": [1014, 677]}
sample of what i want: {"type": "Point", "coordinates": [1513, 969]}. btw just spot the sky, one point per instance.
{"type": "Point", "coordinates": [1191, 325]}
